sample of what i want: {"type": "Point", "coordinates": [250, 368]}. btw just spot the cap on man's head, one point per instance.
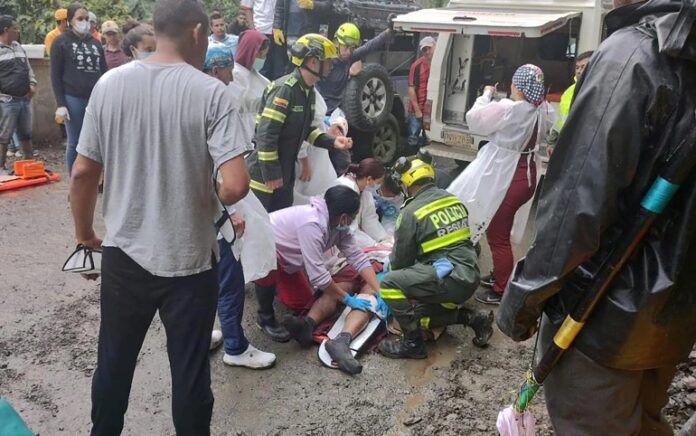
{"type": "Point", "coordinates": [218, 55]}
{"type": "Point", "coordinates": [428, 41]}
{"type": "Point", "coordinates": [92, 17]}
{"type": "Point", "coordinates": [61, 14]}
{"type": "Point", "coordinates": [109, 26]}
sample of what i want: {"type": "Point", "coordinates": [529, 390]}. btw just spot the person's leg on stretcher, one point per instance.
{"type": "Point", "coordinates": [325, 306]}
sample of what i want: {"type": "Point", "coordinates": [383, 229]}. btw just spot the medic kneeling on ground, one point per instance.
{"type": "Point", "coordinates": [303, 234]}
{"type": "Point", "coordinates": [433, 268]}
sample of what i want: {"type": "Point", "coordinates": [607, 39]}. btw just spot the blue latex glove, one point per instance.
{"type": "Point", "coordinates": [442, 267]}
{"type": "Point", "coordinates": [382, 306]}
{"type": "Point", "coordinates": [354, 302]}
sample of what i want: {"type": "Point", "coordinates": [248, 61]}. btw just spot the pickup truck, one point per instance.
{"type": "Point", "coordinates": [482, 43]}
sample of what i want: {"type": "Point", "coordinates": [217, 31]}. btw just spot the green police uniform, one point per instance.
{"type": "Point", "coordinates": [284, 122]}
{"type": "Point", "coordinates": [433, 224]}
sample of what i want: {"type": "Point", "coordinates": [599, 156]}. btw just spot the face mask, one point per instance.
{"type": "Point", "coordinates": [258, 64]}
{"type": "Point", "coordinates": [142, 55]}
{"type": "Point", "coordinates": [81, 27]}
{"type": "Point", "coordinates": [343, 228]}
{"type": "Point", "coordinates": [374, 188]}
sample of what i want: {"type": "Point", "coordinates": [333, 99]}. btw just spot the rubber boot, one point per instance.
{"type": "Point", "coordinates": [339, 350]}
{"type": "Point", "coordinates": [300, 329]}
{"type": "Point", "coordinates": [482, 324]}
{"type": "Point", "coordinates": [266, 316]}
{"type": "Point", "coordinates": [271, 328]}
{"type": "Point", "coordinates": [410, 346]}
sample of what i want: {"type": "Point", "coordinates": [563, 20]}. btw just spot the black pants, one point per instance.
{"type": "Point", "coordinates": [585, 398]}
{"type": "Point", "coordinates": [279, 199]}
{"type": "Point", "coordinates": [130, 296]}
{"type": "Point", "coordinates": [276, 61]}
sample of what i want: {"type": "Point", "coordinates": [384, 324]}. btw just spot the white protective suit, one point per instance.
{"type": "Point", "coordinates": [248, 86]}
{"type": "Point", "coordinates": [483, 184]}
{"type": "Point", "coordinates": [367, 230]}
{"type": "Point", "coordinates": [255, 249]}
{"type": "Point", "coordinates": [323, 173]}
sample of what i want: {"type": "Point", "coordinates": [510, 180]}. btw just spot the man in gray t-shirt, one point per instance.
{"type": "Point", "coordinates": [159, 129]}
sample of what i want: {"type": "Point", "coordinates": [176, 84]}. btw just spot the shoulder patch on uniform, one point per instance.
{"type": "Point", "coordinates": [279, 101]}
{"type": "Point", "coordinates": [291, 81]}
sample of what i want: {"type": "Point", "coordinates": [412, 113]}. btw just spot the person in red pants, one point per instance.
{"type": "Point", "coordinates": [521, 190]}
{"type": "Point", "coordinates": [503, 176]}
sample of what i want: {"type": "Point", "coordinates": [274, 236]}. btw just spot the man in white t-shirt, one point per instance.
{"type": "Point", "coordinates": [260, 14]}
{"type": "Point", "coordinates": [158, 129]}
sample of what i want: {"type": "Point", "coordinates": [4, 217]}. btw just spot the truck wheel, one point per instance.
{"type": "Point", "coordinates": [369, 98]}
{"type": "Point", "coordinates": [386, 146]}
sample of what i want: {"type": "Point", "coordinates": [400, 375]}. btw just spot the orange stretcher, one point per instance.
{"type": "Point", "coordinates": [27, 173]}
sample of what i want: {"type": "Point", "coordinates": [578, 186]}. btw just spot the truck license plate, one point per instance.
{"type": "Point", "coordinates": [458, 139]}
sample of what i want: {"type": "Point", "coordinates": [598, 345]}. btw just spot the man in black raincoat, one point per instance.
{"type": "Point", "coordinates": [635, 102]}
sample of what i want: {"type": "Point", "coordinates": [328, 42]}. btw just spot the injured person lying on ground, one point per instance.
{"type": "Point", "coordinates": [303, 234]}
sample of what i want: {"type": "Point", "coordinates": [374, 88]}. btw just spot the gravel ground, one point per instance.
{"type": "Point", "coordinates": [48, 330]}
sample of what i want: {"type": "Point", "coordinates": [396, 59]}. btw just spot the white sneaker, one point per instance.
{"type": "Point", "coordinates": [251, 358]}
{"type": "Point", "coordinates": [215, 339]}
{"type": "Point", "coordinates": [19, 154]}
{"type": "Point", "coordinates": [10, 153]}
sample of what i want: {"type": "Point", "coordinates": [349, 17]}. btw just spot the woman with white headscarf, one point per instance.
{"type": "Point", "coordinates": [503, 177]}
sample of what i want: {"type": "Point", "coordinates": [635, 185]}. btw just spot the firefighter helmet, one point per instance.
{"type": "Point", "coordinates": [417, 168]}
{"type": "Point", "coordinates": [348, 34]}
{"type": "Point", "coordinates": [312, 45]}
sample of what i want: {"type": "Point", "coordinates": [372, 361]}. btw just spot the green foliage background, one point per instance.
{"type": "Point", "coordinates": [36, 17]}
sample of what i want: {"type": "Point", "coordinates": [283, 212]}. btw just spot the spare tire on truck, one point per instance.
{"type": "Point", "coordinates": [369, 97]}
{"type": "Point", "coordinates": [386, 146]}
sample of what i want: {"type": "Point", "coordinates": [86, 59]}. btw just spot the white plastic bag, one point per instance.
{"type": "Point", "coordinates": [511, 424]}
{"type": "Point", "coordinates": [256, 248]}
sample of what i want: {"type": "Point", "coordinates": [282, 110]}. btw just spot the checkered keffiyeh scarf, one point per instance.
{"type": "Point", "coordinates": [530, 80]}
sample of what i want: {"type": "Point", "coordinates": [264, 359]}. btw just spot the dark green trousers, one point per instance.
{"type": "Point", "coordinates": [418, 298]}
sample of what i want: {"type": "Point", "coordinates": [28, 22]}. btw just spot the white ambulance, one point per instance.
{"type": "Point", "coordinates": [483, 42]}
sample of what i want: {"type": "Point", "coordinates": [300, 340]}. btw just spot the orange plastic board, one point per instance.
{"type": "Point", "coordinates": [21, 183]}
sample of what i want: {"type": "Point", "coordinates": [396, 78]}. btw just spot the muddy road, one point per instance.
{"type": "Point", "coordinates": [48, 340]}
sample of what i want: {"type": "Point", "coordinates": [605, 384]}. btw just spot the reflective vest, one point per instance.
{"type": "Point", "coordinates": [564, 107]}
{"type": "Point", "coordinates": [432, 224]}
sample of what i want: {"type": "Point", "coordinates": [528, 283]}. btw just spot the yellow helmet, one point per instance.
{"type": "Point", "coordinates": [348, 34]}
{"type": "Point", "coordinates": [411, 170]}
{"type": "Point", "coordinates": [312, 45]}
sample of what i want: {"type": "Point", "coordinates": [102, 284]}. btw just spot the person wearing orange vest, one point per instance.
{"type": "Point", "coordinates": [61, 23]}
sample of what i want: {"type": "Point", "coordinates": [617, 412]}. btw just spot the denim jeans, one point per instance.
{"type": "Point", "coordinates": [15, 122]}
{"type": "Point", "coordinates": [130, 297]}
{"type": "Point", "coordinates": [416, 135]}
{"type": "Point", "coordinates": [231, 300]}
{"type": "Point", "coordinates": [14, 142]}
{"type": "Point", "coordinates": [76, 109]}
{"type": "Point", "coordinates": [15, 117]}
